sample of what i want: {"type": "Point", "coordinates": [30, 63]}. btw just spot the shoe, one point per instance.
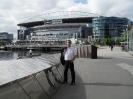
{"type": "Point", "coordinates": [64, 82]}
{"type": "Point", "coordinates": [72, 83]}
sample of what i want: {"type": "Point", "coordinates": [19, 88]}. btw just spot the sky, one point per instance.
{"type": "Point", "coordinates": [81, 1]}
{"type": "Point", "coordinates": [13, 12]}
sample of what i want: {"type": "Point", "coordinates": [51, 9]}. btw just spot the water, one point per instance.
{"type": "Point", "coordinates": [9, 55]}
{"type": "Point", "coordinates": [13, 55]}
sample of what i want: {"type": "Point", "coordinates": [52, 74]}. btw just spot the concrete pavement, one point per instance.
{"type": "Point", "coordinates": [108, 77]}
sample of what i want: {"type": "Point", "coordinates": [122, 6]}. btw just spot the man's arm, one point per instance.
{"type": "Point", "coordinates": [75, 54]}
{"type": "Point", "coordinates": [74, 58]}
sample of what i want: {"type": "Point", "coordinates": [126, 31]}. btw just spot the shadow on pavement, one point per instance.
{"type": "Point", "coordinates": [99, 57]}
{"type": "Point", "coordinates": [107, 84]}
{"type": "Point", "coordinates": [68, 91]}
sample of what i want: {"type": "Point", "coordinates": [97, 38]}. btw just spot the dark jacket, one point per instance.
{"type": "Point", "coordinates": [62, 58]}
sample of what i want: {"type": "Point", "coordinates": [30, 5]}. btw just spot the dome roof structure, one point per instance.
{"type": "Point", "coordinates": [59, 15]}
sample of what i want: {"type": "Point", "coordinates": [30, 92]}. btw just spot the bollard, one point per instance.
{"type": "Point", "coordinates": [93, 52]}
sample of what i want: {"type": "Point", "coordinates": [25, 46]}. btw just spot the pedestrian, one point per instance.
{"type": "Point", "coordinates": [111, 47]}
{"type": "Point", "coordinates": [30, 53]}
{"type": "Point", "coordinates": [70, 55]}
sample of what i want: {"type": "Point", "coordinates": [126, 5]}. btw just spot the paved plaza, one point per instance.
{"type": "Point", "coordinates": [108, 77]}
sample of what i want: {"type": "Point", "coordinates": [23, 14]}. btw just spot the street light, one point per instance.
{"type": "Point", "coordinates": [127, 38]}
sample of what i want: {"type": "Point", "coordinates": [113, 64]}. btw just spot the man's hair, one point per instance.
{"type": "Point", "coordinates": [69, 41]}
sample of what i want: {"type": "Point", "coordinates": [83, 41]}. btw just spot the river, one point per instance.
{"type": "Point", "coordinates": [13, 55]}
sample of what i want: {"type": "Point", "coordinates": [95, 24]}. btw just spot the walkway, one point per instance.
{"type": "Point", "coordinates": [108, 77]}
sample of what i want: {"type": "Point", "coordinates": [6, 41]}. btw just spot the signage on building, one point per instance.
{"type": "Point", "coordinates": [47, 22]}
{"type": "Point", "coordinates": [56, 21]}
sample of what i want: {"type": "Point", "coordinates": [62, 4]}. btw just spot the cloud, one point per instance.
{"type": "Point", "coordinates": [13, 12]}
{"type": "Point", "coordinates": [111, 7]}
{"type": "Point", "coordinates": [121, 8]}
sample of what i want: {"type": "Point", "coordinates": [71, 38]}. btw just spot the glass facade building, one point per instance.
{"type": "Point", "coordinates": [60, 32]}
{"type": "Point", "coordinates": [6, 37]}
{"type": "Point", "coordinates": [130, 40]}
{"type": "Point", "coordinates": [109, 27]}
{"type": "Point", "coordinates": [56, 30]}
{"type": "Point", "coordinates": [78, 28]}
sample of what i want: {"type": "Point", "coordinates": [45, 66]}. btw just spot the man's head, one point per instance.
{"type": "Point", "coordinates": [68, 42]}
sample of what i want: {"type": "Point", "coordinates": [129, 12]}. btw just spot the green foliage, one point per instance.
{"type": "Point", "coordinates": [110, 40]}
{"type": "Point", "coordinates": [107, 41]}
{"type": "Point", "coordinates": [2, 43]}
{"type": "Point", "coordinates": [124, 36]}
{"type": "Point", "coordinates": [96, 42]}
{"type": "Point", "coordinates": [118, 40]}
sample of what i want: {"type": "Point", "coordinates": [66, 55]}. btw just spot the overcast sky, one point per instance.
{"type": "Point", "coordinates": [13, 12]}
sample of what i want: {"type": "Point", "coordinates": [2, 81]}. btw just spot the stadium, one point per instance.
{"type": "Point", "coordinates": [57, 27]}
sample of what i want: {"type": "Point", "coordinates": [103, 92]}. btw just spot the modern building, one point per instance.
{"type": "Point", "coordinates": [130, 40]}
{"type": "Point", "coordinates": [6, 37]}
{"type": "Point", "coordinates": [56, 30]}
{"type": "Point", "coordinates": [22, 34]}
{"type": "Point", "coordinates": [112, 27]}
{"type": "Point", "coordinates": [77, 26]}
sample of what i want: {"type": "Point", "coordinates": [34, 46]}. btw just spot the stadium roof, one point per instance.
{"type": "Point", "coordinates": [39, 19]}
{"type": "Point", "coordinates": [62, 25]}
{"type": "Point", "coordinates": [31, 24]}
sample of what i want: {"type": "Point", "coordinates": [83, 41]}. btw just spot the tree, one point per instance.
{"type": "Point", "coordinates": [124, 36]}
{"type": "Point", "coordinates": [2, 43]}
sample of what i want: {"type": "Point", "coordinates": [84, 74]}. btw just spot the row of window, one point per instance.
{"type": "Point", "coordinates": [50, 34]}
{"type": "Point", "coordinates": [50, 39]}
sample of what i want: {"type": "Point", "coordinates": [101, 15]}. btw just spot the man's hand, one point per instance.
{"type": "Point", "coordinates": [74, 58]}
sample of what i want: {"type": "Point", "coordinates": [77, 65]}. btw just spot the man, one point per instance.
{"type": "Point", "coordinates": [30, 53]}
{"type": "Point", "coordinates": [111, 46]}
{"type": "Point", "coordinates": [70, 55]}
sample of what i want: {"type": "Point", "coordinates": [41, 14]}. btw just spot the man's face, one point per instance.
{"type": "Point", "coordinates": [68, 43]}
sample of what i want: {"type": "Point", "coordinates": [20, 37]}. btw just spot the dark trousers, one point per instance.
{"type": "Point", "coordinates": [69, 65]}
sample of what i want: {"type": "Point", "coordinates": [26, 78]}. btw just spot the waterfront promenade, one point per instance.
{"type": "Point", "coordinates": [108, 77]}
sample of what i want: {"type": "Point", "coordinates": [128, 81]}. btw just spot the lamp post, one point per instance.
{"type": "Point", "coordinates": [127, 39]}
